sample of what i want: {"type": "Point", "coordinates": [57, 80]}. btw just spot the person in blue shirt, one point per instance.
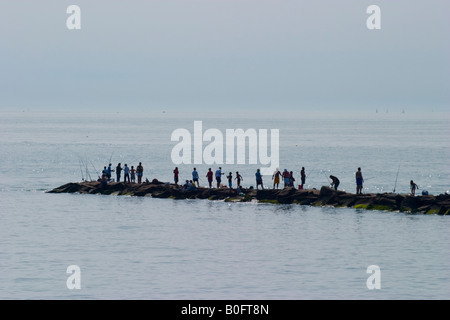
{"type": "Point", "coordinates": [108, 172]}
{"type": "Point", "coordinates": [219, 174]}
{"type": "Point", "coordinates": [126, 173]}
{"type": "Point", "coordinates": [259, 179]}
{"type": "Point", "coordinates": [195, 177]}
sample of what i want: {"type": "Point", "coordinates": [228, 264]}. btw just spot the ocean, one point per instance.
{"type": "Point", "coordinates": [144, 248]}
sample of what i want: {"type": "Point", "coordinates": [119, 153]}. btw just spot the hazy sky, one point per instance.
{"type": "Point", "coordinates": [211, 54]}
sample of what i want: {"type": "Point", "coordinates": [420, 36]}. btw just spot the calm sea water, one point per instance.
{"type": "Point", "coordinates": [144, 248]}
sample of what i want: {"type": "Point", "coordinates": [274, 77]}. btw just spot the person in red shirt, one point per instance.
{"type": "Point", "coordinates": [175, 175]}
{"type": "Point", "coordinates": [209, 175]}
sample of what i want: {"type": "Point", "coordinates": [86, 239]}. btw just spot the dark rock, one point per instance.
{"type": "Point", "coordinates": [326, 196]}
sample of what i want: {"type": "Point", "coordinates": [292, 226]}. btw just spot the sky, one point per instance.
{"type": "Point", "coordinates": [220, 55]}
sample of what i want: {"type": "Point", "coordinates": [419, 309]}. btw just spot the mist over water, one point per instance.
{"type": "Point", "coordinates": [144, 248]}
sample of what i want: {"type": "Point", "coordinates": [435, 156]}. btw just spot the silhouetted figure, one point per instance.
{"type": "Point", "coordinates": [133, 174]}
{"type": "Point", "coordinates": [303, 176]}
{"type": "Point", "coordinates": [230, 180]}
{"type": "Point", "coordinates": [118, 172]}
{"type": "Point", "coordinates": [291, 179]}
{"type": "Point", "coordinates": [259, 180]}
{"type": "Point", "coordinates": [413, 187]}
{"type": "Point", "coordinates": [334, 182]}
{"type": "Point", "coordinates": [175, 175]}
{"type": "Point", "coordinates": [139, 172]}
{"type": "Point", "coordinates": [238, 179]}
{"type": "Point", "coordinates": [359, 181]}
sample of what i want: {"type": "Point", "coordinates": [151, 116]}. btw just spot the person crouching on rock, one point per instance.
{"type": "Point", "coordinates": [335, 182]}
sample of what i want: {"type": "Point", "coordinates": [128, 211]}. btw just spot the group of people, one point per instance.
{"type": "Point", "coordinates": [210, 175]}
{"type": "Point", "coordinates": [129, 174]}
{"type": "Point", "coordinates": [288, 178]}
{"type": "Point", "coordinates": [217, 175]}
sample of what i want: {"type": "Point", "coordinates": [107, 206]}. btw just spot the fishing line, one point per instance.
{"type": "Point", "coordinates": [395, 186]}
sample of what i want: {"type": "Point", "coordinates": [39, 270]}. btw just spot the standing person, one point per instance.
{"type": "Point", "coordinates": [230, 180]}
{"type": "Point", "coordinates": [126, 174]}
{"type": "Point", "coordinates": [291, 179]}
{"type": "Point", "coordinates": [219, 174]}
{"type": "Point", "coordinates": [195, 177]}
{"type": "Point", "coordinates": [335, 182]}
{"type": "Point", "coordinates": [303, 176]}
{"type": "Point", "coordinates": [259, 180]}
{"type": "Point", "coordinates": [359, 181]}
{"type": "Point", "coordinates": [133, 174]}
{"type": "Point", "coordinates": [209, 175]}
{"type": "Point", "coordinates": [238, 179]}
{"type": "Point", "coordinates": [413, 187]}
{"type": "Point", "coordinates": [108, 172]}
{"type": "Point", "coordinates": [175, 175]}
{"type": "Point", "coordinates": [276, 178]}
{"type": "Point", "coordinates": [286, 178]}
{"type": "Point", "coordinates": [140, 172]}
{"type": "Point", "coordinates": [118, 172]}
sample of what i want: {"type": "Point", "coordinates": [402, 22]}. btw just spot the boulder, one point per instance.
{"type": "Point", "coordinates": [326, 196]}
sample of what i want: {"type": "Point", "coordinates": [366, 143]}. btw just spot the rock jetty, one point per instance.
{"type": "Point", "coordinates": [427, 204]}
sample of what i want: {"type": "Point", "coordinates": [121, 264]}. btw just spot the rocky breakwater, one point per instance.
{"type": "Point", "coordinates": [428, 204]}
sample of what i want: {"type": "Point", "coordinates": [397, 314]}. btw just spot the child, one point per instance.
{"type": "Point", "coordinates": [133, 174]}
{"type": "Point", "coordinates": [230, 180]}
{"type": "Point", "coordinates": [413, 188]}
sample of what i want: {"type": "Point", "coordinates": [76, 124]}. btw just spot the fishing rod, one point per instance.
{"type": "Point", "coordinates": [395, 186]}
{"type": "Point", "coordinates": [326, 177]}
{"type": "Point", "coordinates": [87, 171]}
{"type": "Point", "coordinates": [81, 169]}
{"type": "Point", "coordinates": [95, 169]}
